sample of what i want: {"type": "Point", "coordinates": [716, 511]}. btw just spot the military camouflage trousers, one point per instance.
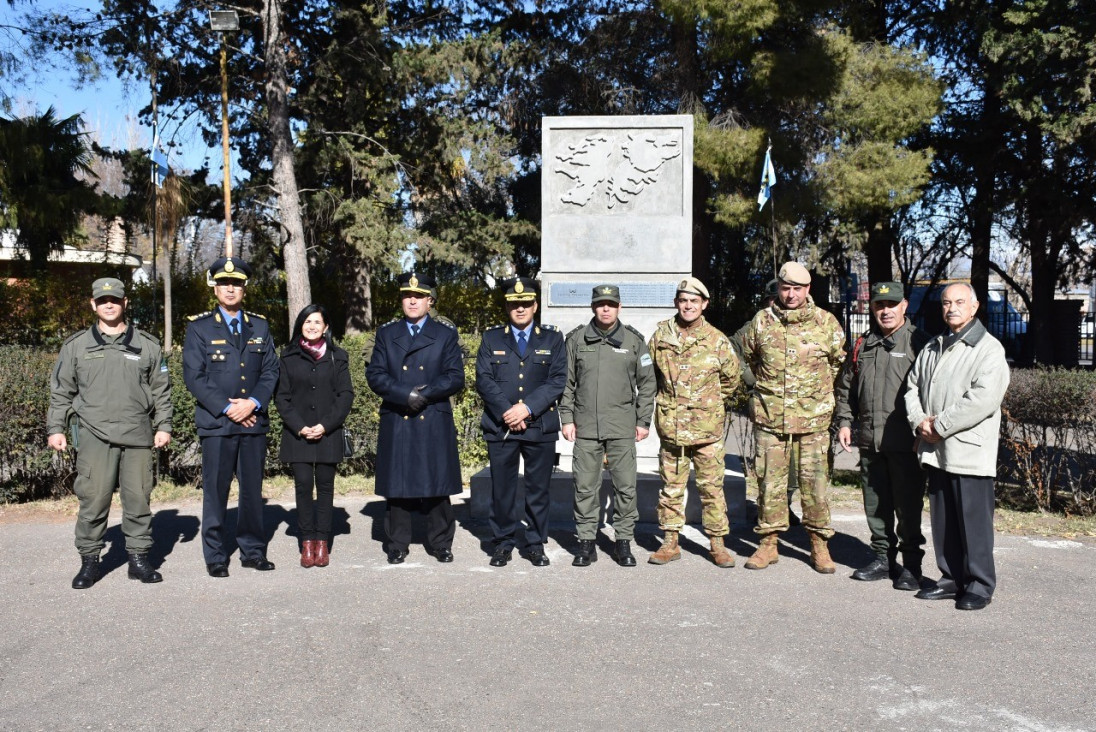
{"type": "Point", "coordinates": [772, 461]}
{"type": "Point", "coordinates": [673, 467]}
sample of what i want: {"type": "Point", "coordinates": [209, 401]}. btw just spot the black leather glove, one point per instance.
{"type": "Point", "coordinates": [415, 400]}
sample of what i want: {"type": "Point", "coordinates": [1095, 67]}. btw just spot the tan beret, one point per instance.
{"type": "Point", "coordinates": [794, 273]}
{"type": "Point", "coordinates": [693, 286]}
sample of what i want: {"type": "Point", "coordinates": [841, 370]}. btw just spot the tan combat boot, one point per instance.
{"type": "Point", "coordinates": [820, 555]}
{"type": "Point", "coordinates": [766, 553]}
{"type": "Point", "coordinates": [720, 555]}
{"type": "Point", "coordinates": [669, 550]}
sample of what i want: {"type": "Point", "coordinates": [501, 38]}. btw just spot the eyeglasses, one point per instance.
{"type": "Point", "coordinates": [234, 285]}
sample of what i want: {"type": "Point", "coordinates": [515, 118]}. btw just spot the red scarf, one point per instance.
{"type": "Point", "coordinates": [317, 352]}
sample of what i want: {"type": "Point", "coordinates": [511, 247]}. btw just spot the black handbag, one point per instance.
{"type": "Point", "coordinates": [348, 444]}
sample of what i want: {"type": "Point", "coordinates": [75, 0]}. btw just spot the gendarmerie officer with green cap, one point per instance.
{"type": "Point", "coordinates": [872, 389]}
{"type": "Point", "coordinates": [521, 369]}
{"type": "Point", "coordinates": [111, 386]}
{"type": "Point", "coordinates": [606, 409]}
{"type": "Point", "coordinates": [231, 367]}
{"type": "Point", "coordinates": [415, 367]}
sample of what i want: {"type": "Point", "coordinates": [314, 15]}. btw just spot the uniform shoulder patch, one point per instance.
{"type": "Point", "coordinates": [199, 316]}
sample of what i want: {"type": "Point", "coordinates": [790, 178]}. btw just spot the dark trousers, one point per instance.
{"type": "Point", "coordinates": [893, 485]}
{"type": "Point", "coordinates": [314, 515]}
{"type": "Point", "coordinates": [506, 505]}
{"type": "Point", "coordinates": [440, 522]}
{"type": "Point", "coordinates": [222, 457]}
{"type": "Point", "coordinates": [961, 508]}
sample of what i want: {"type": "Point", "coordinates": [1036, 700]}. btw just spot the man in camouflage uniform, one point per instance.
{"type": "Point", "coordinates": [795, 349]}
{"type": "Point", "coordinates": [749, 381]}
{"type": "Point", "coordinates": [872, 388]}
{"type": "Point", "coordinates": [697, 375]}
{"type": "Point", "coordinates": [605, 411]}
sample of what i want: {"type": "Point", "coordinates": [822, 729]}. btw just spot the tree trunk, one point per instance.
{"type": "Point", "coordinates": [357, 294]}
{"type": "Point", "coordinates": [985, 187]}
{"type": "Point", "coordinates": [298, 288]}
{"type": "Point", "coordinates": [878, 249]}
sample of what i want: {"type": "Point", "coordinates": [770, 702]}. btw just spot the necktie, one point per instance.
{"type": "Point", "coordinates": [234, 326]}
{"type": "Point", "coordinates": [415, 331]}
{"type": "Point", "coordinates": [521, 343]}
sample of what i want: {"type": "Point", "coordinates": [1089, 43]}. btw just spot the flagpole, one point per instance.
{"type": "Point", "coordinates": [772, 208]}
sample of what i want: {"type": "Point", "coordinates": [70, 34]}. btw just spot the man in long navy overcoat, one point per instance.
{"type": "Point", "coordinates": [416, 366]}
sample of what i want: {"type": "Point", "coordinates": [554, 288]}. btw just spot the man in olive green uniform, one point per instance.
{"type": "Point", "coordinates": [749, 381]}
{"type": "Point", "coordinates": [697, 375]}
{"type": "Point", "coordinates": [795, 349]}
{"type": "Point", "coordinates": [605, 411]}
{"type": "Point", "coordinates": [110, 384]}
{"type": "Point", "coordinates": [872, 388]}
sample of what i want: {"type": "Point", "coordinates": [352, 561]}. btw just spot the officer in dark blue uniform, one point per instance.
{"type": "Point", "coordinates": [416, 366]}
{"type": "Point", "coordinates": [521, 370]}
{"type": "Point", "coordinates": [231, 368]}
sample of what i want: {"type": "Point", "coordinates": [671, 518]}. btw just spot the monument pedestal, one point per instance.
{"type": "Point", "coordinates": [648, 485]}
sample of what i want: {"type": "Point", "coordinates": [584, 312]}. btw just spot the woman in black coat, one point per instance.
{"type": "Point", "coordinates": [314, 397]}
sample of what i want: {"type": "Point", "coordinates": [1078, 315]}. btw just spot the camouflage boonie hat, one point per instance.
{"type": "Point", "coordinates": [887, 292]}
{"type": "Point", "coordinates": [605, 293]}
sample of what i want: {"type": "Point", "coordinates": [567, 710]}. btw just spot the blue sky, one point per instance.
{"type": "Point", "coordinates": [109, 107]}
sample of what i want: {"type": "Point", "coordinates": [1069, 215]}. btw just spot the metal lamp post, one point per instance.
{"type": "Point", "coordinates": [221, 21]}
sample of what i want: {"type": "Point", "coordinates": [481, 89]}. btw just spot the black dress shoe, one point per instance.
{"type": "Point", "coordinates": [586, 554]}
{"type": "Point", "coordinates": [88, 574]}
{"type": "Point", "coordinates": [907, 580]}
{"type": "Point", "coordinates": [443, 555]}
{"type": "Point", "coordinates": [936, 592]}
{"type": "Point", "coordinates": [217, 569]}
{"type": "Point", "coordinates": [970, 601]}
{"type": "Point", "coordinates": [623, 554]}
{"type": "Point", "coordinates": [501, 557]}
{"type": "Point", "coordinates": [877, 569]}
{"type": "Point", "coordinates": [538, 558]}
{"type": "Point", "coordinates": [396, 556]}
{"type": "Point", "coordinates": [260, 563]}
{"type": "Point", "coordinates": [141, 569]}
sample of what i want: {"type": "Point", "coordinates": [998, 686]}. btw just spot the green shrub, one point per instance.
{"type": "Point", "coordinates": [1048, 439]}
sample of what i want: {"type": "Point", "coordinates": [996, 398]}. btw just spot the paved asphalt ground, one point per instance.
{"type": "Point", "coordinates": [687, 646]}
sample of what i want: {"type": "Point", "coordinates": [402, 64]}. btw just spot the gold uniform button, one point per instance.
{"type": "Point", "coordinates": [521, 388]}
{"type": "Point", "coordinates": [405, 416]}
{"type": "Point", "coordinates": [422, 416]}
{"type": "Point", "coordinates": [521, 376]}
{"type": "Point", "coordinates": [243, 378]}
{"type": "Point", "coordinates": [404, 368]}
{"type": "Point", "coordinates": [521, 401]}
{"type": "Point", "coordinates": [420, 368]}
{"type": "Point", "coordinates": [243, 391]}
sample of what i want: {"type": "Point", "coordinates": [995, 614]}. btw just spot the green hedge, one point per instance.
{"type": "Point", "coordinates": [30, 470]}
{"type": "Point", "coordinates": [1048, 439]}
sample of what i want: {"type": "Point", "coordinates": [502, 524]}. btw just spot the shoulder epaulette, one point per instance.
{"type": "Point", "coordinates": [199, 316]}
{"type": "Point", "coordinates": [447, 323]}
{"type": "Point", "coordinates": [146, 334]}
{"type": "Point", "coordinates": [640, 335]}
{"type": "Point", "coordinates": [576, 329]}
{"type": "Point", "coordinates": [249, 314]}
{"type": "Point", "coordinates": [544, 326]}
{"type": "Point", "coordinates": [390, 322]}
{"type": "Point", "coordinates": [494, 327]}
{"type": "Point", "coordinates": [75, 335]}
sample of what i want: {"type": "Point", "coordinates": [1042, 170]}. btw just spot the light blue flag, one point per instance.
{"type": "Point", "coordinates": [159, 164]}
{"type": "Point", "coordinates": [768, 180]}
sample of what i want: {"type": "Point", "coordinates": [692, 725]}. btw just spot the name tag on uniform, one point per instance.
{"type": "Point", "coordinates": [898, 355]}
{"type": "Point", "coordinates": [95, 354]}
{"type": "Point", "coordinates": [621, 350]}
{"type": "Point", "coordinates": [544, 351]}
{"type": "Point", "coordinates": [587, 349]}
{"type": "Point", "coordinates": [131, 357]}
{"type": "Point", "coordinates": [221, 342]}
{"type": "Point", "coordinates": [255, 341]}
{"type": "Point", "coordinates": [499, 353]}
